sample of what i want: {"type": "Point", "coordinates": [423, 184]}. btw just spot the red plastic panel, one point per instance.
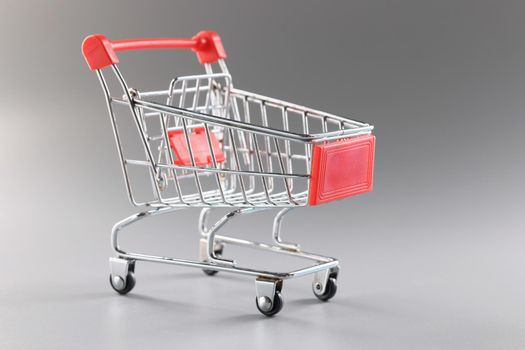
{"type": "Point", "coordinates": [342, 169]}
{"type": "Point", "coordinates": [199, 147]}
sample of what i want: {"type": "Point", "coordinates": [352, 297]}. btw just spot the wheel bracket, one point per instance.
{"type": "Point", "coordinates": [266, 288]}
{"type": "Point", "coordinates": [321, 279]}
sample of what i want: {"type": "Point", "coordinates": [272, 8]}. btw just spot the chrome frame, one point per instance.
{"type": "Point", "coordinates": [211, 239]}
{"type": "Point", "coordinates": [255, 152]}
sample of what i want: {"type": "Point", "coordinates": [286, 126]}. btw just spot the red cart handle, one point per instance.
{"type": "Point", "coordinates": [100, 52]}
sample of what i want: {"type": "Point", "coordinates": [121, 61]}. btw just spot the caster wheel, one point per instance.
{"type": "Point", "coordinates": [209, 272]}
{"type": "Point", "coordinates": [266, 307]}
{"type": "Point", "coordinates": [218, 253]}
{"type": "Point", "coordinates": [329, 292]}
{"type": "Point", "coordinates": [121, 286]}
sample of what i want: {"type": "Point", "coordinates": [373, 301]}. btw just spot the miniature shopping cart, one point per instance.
{"type": "Point", "coordinates": [200, 142]}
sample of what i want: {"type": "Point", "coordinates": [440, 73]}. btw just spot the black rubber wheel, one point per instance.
{"type": "Point", "coordinates": [130, 283]}
{"type": "Point", "coordinates": [330, 290]}
{"type": "Point", "coordinates": [218, 253]}
{"type": "Point", "coordinates": [210, 272]}
{"type": "Point", "coordinates": [277, 305]}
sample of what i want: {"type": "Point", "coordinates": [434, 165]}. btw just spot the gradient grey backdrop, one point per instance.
{"type": "Point", "coordinates": [432, 259]}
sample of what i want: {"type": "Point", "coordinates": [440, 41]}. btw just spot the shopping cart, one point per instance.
{"type": "Point", "coordinates": [203, 143]}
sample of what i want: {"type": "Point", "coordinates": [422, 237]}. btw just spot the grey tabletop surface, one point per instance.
{"type": "Point", "coordinates": [432, 259]}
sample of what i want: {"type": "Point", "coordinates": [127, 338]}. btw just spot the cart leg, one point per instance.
{"type": "Point", "coordinates": [211, 250]}
{"type": "Point", "coordinates": [131, 220]}
{"type": "Point", "coordinates": [276, 232]}
{"type": "Point", "coordinates": [268, 284]}
{"type": "Point", "coordinates": [203, 254]}
{"type": "Point", "coordinates": [268, 297]}
{"type": "Point", "coordinates": [122, 269]}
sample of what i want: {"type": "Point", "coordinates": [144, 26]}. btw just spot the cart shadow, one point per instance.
{"type": "Point", "coordinates": [339, 301]}
{"type": "Point", "coordinates": [200, 275]}
{"type": "Point", "coordinates": [60, 298]}
{"type": "Point", "coordinates": [350, 305]}
{"type": "Point", "coordinates": [257, 318]}
{"type": "Point", "coordinates": [164, 302]}
{"type": "Point", "coordinates": [305, 302]}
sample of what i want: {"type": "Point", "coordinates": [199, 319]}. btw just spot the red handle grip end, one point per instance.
{"type": "Point", "coordinates": [209, 47]}
{"type": "Point", "coordinates": [98, 52]}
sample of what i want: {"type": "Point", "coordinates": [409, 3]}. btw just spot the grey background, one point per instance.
{"type": "Point", "coordinates": [432, 259]}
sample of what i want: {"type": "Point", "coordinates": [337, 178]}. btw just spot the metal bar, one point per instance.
{"type": "Point", "coordinates": [276, 231]}
{"type": "Point", "coordinates": [163, 119]}
{"type": "Point", "coordinates": [212, 170]}
{"type": "Point", "coordinates": [272, 248]}
{"type": "Point", "coordinates": [188, 143]}
{"type": "Point", "coordinates": [268, 145]}
{"type": "Point", "coordinates": [208, 96]}
{"type": "Point", "coordinates": [214, 162]}
{"type": "Point", "coordinates": [323, 263]}
{"type": "Point", "coordinates": [233, 269]}
{"type": "Point", "coordinates": [235, 124]}
{"type": "Point", "coordinates": [261, 169]}
{"type": "Point", "coordinates": [286, 185]}
{"type": "Point", "coordinates": [287, 147]}
{"type": "Point", "coordinates": [238, 165]}
{"type": "Point", "coordinates": [116, 135]}
{"type": "Point", "coordinates": [131, 105]}
{"type": "Point", "coordinates": [251, 164]}
{"type": "Point", "coordinates": [272, 154]}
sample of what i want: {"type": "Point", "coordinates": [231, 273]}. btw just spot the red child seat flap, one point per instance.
{"type": "Point", "coordinates": [199, 146]}
{"type": "Point", "coordinates": [342, 169]}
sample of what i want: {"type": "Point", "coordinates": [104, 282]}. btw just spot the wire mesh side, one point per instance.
{"type": "Point", "coordinates": [261, 165]}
